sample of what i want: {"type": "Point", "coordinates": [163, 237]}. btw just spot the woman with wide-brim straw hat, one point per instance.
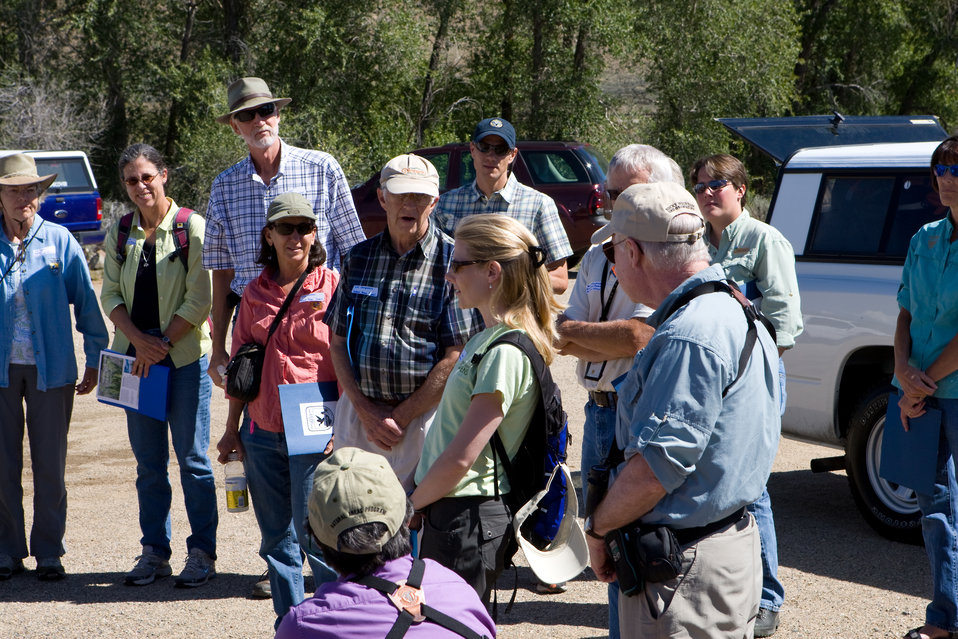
{"type": "Point", "coordinates": [42, 272]}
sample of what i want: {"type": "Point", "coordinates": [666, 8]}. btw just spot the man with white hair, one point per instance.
{"type": "Point", "coordinates": [604, 328]}
{"type": "Point", "coordinates": [698, 424]}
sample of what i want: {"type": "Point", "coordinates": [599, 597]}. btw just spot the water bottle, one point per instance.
{"type": "Point", "coordinates": [237, 497]}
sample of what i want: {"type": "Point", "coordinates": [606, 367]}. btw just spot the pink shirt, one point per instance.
{"type": "Point", "coordinates": [298, 351]}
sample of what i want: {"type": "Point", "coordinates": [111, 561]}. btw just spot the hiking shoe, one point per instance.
{"type": "Point", "coordinates": [550, 589]}
{"type": "Point", "coordinates": [766, 623]}
{"type": "Point", "coordinates": [148, 567]}
{"type": "Point", "coordinates": [50, 569]}
{"type": "Point", "coordinates": [199, 569]}
{"type": "Point", "coordinates": [9, 567]}
{"type": "Point", "coordinates": [261, 589]}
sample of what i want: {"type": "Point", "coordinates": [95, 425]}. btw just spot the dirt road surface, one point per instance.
{"type": "Point", "coordinates": [841, 579]}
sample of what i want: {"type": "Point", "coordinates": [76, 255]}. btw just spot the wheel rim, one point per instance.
{"type": "Point", "coordinates": [895, 496]}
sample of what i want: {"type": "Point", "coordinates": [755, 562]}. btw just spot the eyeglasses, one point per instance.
{"type": "Point", "coordinates": [145, 179]}
{"type": "Point", "coordinates": [501, 150]}
{"type": "Point", "coordinates": [712, 185]}
{"type": "Point", "coordinates": [608, 249]}
{"type": "Point", "coordinates": [419, 200]}
{"type": "Point", "coordinates": [263, 111]}
{"type": "Point", "coordinates": [455, 265]}
{"type": "Point", "coordinates": [941, 169]}
{"type": "Point", "coordinates": [285, 228]}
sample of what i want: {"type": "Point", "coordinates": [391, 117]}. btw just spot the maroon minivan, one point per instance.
{"type": "Point", "coordinates": [571, 173]}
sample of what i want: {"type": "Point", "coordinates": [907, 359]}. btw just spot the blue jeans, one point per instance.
{"type": "Point", "coordinates": [938, 512]}
{"type": "Point", "coordinates": [597, 436]}
{"type": "Point", "coordinates": [279, 487]}
{"type": "Point", "coordinates": [188, 421]}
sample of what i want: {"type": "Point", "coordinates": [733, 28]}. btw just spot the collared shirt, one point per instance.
{"type": "Point", "coordinates": [184, 292]}
{"type": "Point", "coordinates": [54, 275]}
{"type": "Point", "coordinates": [398, 313]}
{"type": "Point", "coordinates": [712, 454]}
{"type": "Point", "coordinates": [237, 210]}
{"type": "Point", "coordinates": [929, 292]}
{"type": "Point", "coordinates": [758, 258]}
{"type": "Point", "coordinates": [343, 609]}
{"type": "Point", "coordinates": [536, 211]}
{"type": "Point", "coordinates": [595, 287]}
{"type": "Point", "coordinates": [298, 351]}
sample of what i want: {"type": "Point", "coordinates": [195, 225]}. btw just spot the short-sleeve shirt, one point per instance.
{"type": "Point", "coordinates": [712, 454]}
{"type": "Point", "coordinates": [595, 287]}
{"type": "Point", "coordinates": [237, 211]}
{"type": "Point", "coordinates": [398, 313]}
{"type": "Point", "coordinates": [534, 210]}
{"type": "Point", "coordinates": [758, 258]}
{"type": "Point", "coordinates": [929, 292]}
{"type": "Point", "coordinates": [503, 370]}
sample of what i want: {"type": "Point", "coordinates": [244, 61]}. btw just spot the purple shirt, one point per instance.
{"type": "Point", "coordinates": [345, 610]}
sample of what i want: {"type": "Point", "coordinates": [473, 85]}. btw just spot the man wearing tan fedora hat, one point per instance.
{"type": "Point", "coordinates": [241, 194]}
{"type": "Point", "coordinates": [239, 198]}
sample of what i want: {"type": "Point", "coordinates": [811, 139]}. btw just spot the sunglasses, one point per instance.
{"type": "Point", "coordinates": [419, 200]}
{"type": "Point", "coordinates": [263, 111]}
{"type": "Point", "coordinates": [608, 249]}
{"type": "Point", "coordinates": [941, 169]}
{"type": "Point", "coordinates": [145, 179]}
{"type": "Point", "coordinates": [285, 228]}
{"type": "Point", "coordinates": [499, 149]}
{"type": "Point", "coordinates": [712, 185]}
{"type": "Point", "coordinates": [455, 265]}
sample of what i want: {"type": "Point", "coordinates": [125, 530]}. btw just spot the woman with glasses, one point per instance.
{"type": "Point", "coordinates": [759, 259]}
{"type": "Point", "coordinates": [42, 272]}
{"type": "Point", "coordinates": [926, 361]}
{"type": "Point", "coordinates": [158, 296]}
{"type": "Point", "coordinates": [297, 352]}
{"type": "Point", "coordinates": [499, 269]}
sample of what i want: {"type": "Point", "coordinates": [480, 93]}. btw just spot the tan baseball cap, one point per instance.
{"type": "Point", "coordinates": [352, 487]}
{"type": "Point", "coordinates": [645, 212]}
{"type": "Point", "coordinates": [410, 174]}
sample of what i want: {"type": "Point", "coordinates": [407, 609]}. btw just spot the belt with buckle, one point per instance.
{"type": "Point", "coordinates": [604, 399]}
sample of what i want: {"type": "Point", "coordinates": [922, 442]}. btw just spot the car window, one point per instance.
{"type": "Point", "coordinates": [555, 167]}
{"type": "Point", "coordinates": [467, 170]}
{"type": "Point", "coordinates": [441, 162]}
{"type": "Point", "coordinates": [71, 173]}
{"type": "Point", "coordinates": [872, 216]}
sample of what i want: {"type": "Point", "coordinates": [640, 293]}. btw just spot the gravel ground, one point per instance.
{"type": "Point", "coordinates": [841, 579]}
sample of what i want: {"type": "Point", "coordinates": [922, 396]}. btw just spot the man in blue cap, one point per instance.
{"type": "Point", "coordinates": [496, 190]}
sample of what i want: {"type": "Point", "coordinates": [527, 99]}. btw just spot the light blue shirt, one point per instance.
{"type": "Point", "coordinates": [929, 291]}
{"type": "Point", "coordinates": [55, 276]}
{"type": "Point", "coordinates": [712, 455]}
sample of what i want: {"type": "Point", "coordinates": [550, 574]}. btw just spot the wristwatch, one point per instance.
{"type": "Point", "coordinates": [590, 531]}
{"type": "Point", "coordinates": [166, 340]}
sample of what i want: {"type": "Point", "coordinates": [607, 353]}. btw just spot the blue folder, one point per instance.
{"type": "Point", "coordinates": [910, 458]}
{"type": "Point", "coordinates": [153, 389]}
{"type": "Point", "coordinates": [308, 414]}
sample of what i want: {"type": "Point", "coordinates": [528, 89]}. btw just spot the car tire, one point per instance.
{"type": "Point", "coordinates": [891, 509]}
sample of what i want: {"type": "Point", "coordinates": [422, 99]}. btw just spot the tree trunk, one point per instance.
{"type": "Point", "coordinates": [446, 11]}
{"type": "Point", "coordinates": [233, 14]}
{"type": "Point", "coordinates": [172, 125]}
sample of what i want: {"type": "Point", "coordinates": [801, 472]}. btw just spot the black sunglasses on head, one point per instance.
{"type": "Point", "coordinates": [263, 110]}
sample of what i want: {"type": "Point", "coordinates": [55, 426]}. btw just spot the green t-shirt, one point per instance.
{"type": "Point", "coordinates": [503, 370]}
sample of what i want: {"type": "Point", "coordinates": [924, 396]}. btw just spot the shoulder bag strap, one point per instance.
{"type": "Point", "coordinates": [286, 303]}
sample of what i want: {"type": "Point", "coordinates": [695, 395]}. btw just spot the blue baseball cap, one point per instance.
{"type": "Point", "coordinates": [495, 126]}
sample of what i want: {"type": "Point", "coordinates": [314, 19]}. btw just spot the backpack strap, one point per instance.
{"type": "Point", "coordinates": [407, 597]}
{"type": "Point", "coordinates": [122, 235]}
{"type": "Point", "coordinates": [181, 236]}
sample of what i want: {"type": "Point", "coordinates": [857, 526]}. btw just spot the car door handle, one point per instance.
{"type": "Point", "coordinates": [60, 213]}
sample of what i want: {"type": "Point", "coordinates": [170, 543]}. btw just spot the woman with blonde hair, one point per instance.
{"type": "Point", "coordinates": [498, 269]}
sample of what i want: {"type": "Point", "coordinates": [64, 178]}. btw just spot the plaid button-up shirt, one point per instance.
{"type": "Point", "coordinates": [536, 211]}
{"type": "Point", "coordinates": [397, 313]}
{"type": "Point", "coordinates": [237, 210]}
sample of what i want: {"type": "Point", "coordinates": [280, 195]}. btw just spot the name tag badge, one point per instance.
{"type": "Point", "coordinates": [742, 250]}
{"type": "Point", "coordinates": [367, 291]}
{"type": "Point", "coordinates": [317, 299]}
{"type": "Point", "coordinates": [45, 251]}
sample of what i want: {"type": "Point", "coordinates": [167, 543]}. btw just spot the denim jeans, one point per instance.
{"type": "Point", "coordinates": [773, 592]}
{"type": "Point", "coordinates": [597, 436]}
{"type": "Point", "coordinates": [188, 421]}
{"type": "Point", "coordinates": [279, 487]}
{"type": "Point", "coordinates": [938, 512]}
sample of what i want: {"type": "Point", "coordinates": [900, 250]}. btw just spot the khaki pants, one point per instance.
{"type": "Point", "coordinates": [716, 595]}
{"type": "Point", "coordinates": [403, 458]}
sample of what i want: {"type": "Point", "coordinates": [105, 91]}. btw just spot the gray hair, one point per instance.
{"type": "Point", "coordinates": [638, 157]}
{"type": "Point", "coordinates": [674, 256]}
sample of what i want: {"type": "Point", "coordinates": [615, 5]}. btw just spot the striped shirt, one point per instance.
{"type": "Point", "coordinates": [536, 211]}
{"type": "Point", "coordinates": [397, 313]}
{"type": "Point", "coordinates": [237, 210]}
